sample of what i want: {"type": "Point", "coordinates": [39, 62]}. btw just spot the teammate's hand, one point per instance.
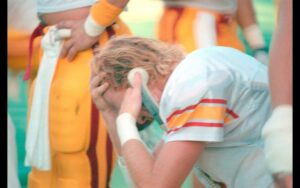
{"type": "Point", "coordinates": [78, 41]}
{"type": "Point", "coordinates": [132, 101]}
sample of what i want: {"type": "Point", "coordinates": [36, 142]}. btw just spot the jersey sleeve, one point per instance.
{"type": "Point", "coordinates": [200, 114]}
{"type": "Point", "coordinates": [104, 13]}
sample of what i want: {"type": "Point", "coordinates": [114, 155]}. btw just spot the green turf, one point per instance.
{"type": "Point", "coordinates": [18, 112]}
{"type": "Point", "coordinates": [18, 109]}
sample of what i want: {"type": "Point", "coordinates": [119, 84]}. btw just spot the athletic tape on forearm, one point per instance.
{"type": "Point", "coordinates": [102, 14]}
{"type": "Point", "coordinates": [278, 133]}
{"type": "Point", "coordinates": [126, 128]}
{"type": "Point", "coordinates": [254, 36]}
{"type": "Point", "coordinates": [92, 28]}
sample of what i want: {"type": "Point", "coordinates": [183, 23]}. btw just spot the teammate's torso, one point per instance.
{"type": "Point", "coordinates": [51, 6]}
{"type": "Point", "coordinates": [222, 6]}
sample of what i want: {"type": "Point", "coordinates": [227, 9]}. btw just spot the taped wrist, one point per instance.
{"type": "Point", "coordinates": [92, 28]}
{"type": "Point", "coordinates": [126, 128]}
{"type": "Point", "coordinates": [278, 140]}
{"type": "Point", "coordinates": [102, 14]}
{"type": "Point", "coordinates": [254, 36]}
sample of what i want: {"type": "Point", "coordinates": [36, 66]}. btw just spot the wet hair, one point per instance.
{"type": "Point", "coordinates": [121, 54]}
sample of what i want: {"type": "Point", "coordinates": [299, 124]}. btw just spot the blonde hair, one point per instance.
{"type": "Point", "coordinates": [121, 54]}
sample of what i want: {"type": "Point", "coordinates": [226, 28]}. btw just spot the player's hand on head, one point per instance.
{"type": "Point", "coordinates": [97, 89]}
{"type": "Point", "coordinates": [132, 101]}
{"type": "Point", "coordinates": [78, 41]}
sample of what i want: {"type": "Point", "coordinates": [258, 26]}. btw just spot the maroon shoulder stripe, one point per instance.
{"type": "Point", "coordinates": [232, 113]}
{"type": "Point", "coordinates": [219, 101]}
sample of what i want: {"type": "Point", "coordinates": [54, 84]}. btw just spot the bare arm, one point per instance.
{"type": "Point", "coordinates": [279, 127]}
{"type": "Point", "coordinates": [173, 160]}
{"type": "Point", "coordinates": [280, 69]}
{"type": "Point", "coordinates": [245, 13]}
{"type": "Point", "coordinates": [247, 21]}
{"type": "Point", "coordinates": [169, 169]}
{"type": "Point", "coordinates": [281, 52]}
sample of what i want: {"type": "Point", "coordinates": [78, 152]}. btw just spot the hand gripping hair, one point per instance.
{"type": "Point", "coordinates": [126, 122]}
{"type": "Point", "coordinates": [147, 98]}
{"type": "Point", "coordinates": [122, 54]}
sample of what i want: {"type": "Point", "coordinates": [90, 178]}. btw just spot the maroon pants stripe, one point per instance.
{"type": "Point", "coordinates": [179, 11]}
{"type": "Point", "coordinates": [38, 31]}
{"type": "Point", "coordinates": [92, 155]}
{"type": "Point", "coordinates": [91, 152]}
{"type": "Point", "coordinates": [109, 148]}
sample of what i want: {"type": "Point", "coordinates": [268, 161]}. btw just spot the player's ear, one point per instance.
{"type": "Point", "coordinates": [162, 69]}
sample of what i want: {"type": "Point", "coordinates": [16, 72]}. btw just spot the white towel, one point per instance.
{"type": "Point", "coordinates": [37, 138]}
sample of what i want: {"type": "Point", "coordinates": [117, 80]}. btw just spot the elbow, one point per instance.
{"type": "Point", "coordinates": [152, 182]}
{"type": "Point", "coordinates": [146, 184]}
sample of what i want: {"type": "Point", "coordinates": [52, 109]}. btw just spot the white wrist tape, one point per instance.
{"type": "Point", "coordinates": [254, 36]}
{"type": "Point", "coordinates": [278, 134]}
{"type": "Point", "coordinates": [92, 28]}
{"type": "Point", "coordinates": [126, 128]}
